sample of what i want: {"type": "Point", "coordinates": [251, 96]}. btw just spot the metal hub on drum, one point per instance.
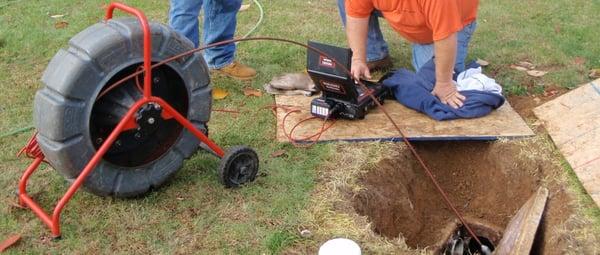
{"type": "Point", "coordinates": [154, 135]}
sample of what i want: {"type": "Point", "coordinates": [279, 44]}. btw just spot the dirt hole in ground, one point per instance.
{"type": "Point", "coordinates": [487, 182]}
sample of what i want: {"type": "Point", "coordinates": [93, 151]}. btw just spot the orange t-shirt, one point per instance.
{"type": "Point", "coordinates": [420, 21]}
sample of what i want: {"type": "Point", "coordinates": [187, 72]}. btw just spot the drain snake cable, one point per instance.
{"type": "Point", "coordinates": [363, 86]}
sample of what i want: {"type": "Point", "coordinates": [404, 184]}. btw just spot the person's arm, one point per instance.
{"type": "Point", "coordinates": [445, 57]}
{"type": "Point", "coordinates": [356, 31]}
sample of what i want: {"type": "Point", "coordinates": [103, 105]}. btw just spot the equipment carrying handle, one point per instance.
{"type": "Point", "coordinates": [147, 41]}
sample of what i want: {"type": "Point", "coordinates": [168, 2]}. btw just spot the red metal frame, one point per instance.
{"type": "Point", "coordinates": [33, 151]}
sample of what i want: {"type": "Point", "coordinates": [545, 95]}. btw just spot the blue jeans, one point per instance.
{"type": "Point", "coordinates": [219, 24]}
{"type": "Point", "coordinates": [422, 53]}
{"type": "Point", "coordinates": [377, 48]}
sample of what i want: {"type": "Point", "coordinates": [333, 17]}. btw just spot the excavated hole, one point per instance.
{"type": "Point", "coordinates": [487, 182]}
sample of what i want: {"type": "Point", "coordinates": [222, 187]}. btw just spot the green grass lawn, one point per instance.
{"type": "Point", "coordinates": [194, 213]}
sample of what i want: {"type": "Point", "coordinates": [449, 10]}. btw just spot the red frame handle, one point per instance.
{"type": "Point", "coordinates": [147, 41]}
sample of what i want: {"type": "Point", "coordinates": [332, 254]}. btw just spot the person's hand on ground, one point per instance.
{"type": "Point", "coordinates": [447, 93]}
{"type": "Point", "coordinates": [360, 69]}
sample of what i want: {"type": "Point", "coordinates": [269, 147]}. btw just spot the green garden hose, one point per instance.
{"type": "Point", "coordinates": [260, 19]}
{"type": "Point", "coordinates": [16, 131]}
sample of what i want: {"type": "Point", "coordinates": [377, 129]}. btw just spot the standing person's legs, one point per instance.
{"type": "Point", "coordinates": [220, 19]}
{"type": "Point", "coordinates": [377, 48]}
{"type": "Point", "coordinates": [183, 18]}
{"type": "Point", "coordinates": [219, 25]}
{"type": "Point", "coordinates": [422, 53]}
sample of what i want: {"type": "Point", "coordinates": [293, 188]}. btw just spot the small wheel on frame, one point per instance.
{"type": "Point", "coordinates": [238, 166]}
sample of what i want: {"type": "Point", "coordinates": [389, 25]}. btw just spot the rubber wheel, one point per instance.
{"type": "Point", "coordinates": [239, 166]}
{"type": "Point", "coordinates": [72, 121]}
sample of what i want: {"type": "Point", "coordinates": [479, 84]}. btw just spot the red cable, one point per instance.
{"type": "Point", "coordinates": [300, 142]}
{"type": "Point", "coordinates": [323, 128]}
{"type": "Point", "coordinates": [137, 80]}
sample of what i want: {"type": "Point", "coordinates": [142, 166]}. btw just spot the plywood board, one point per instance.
{"type": "Point", "coordinates": [502, 123]}
{"type": "Point", "coordinates": [519, 235]}
{"type": "Point", "coordinates": [573, 122]}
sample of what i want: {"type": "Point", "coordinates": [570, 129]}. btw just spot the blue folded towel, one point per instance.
{"type": "Point", "coordinates": [414, 91]}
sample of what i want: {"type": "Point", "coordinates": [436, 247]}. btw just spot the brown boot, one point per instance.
{"type": "Point", "coordinates": [237, 70]}
{"type": "Point", "coordinates": [380, 65]}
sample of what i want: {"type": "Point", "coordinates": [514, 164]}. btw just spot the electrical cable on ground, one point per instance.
{"type": "Point", "coordinates": [301, 141]}
{"type": "Point", "coordinates": [16, 131]}
{"type": "Point", "coordinates": [260, 19]}
{"type": "Point", "coordinates": [402, 134]}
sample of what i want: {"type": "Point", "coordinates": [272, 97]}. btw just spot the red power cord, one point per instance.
{"type": "Point", "coordinates": [301, 142]}
{"type": "Point", "coordinates": [363, 86]}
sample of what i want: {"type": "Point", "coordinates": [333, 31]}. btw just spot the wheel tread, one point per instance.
{"type": "Point", "coordinates": [224, 166]}
{"type": "Point", "coordinates": [84, 56]}
{"type": "Point", "coordinates": [51, 108]}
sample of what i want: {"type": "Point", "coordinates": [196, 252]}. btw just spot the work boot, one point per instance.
{"type": "Point", "coordinates": [380, 65]}
{"type": "Point", "coordinates": [237, 70]}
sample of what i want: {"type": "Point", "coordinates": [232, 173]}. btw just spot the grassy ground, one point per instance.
{"type": "Point", "coordinates": [193, 213]}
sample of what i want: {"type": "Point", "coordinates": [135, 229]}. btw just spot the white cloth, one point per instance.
{"type": "Point", "coordinates": [473, 79]}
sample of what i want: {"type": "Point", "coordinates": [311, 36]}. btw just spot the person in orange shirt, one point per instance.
{"type": "Point", "coordinates": [378, 55]}
{"type": "Point", "coordinates": [440, 28]}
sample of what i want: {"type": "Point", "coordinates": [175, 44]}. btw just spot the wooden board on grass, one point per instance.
{"type": "Point", "coordinates": [573, 122]}
{"type": "Point", "coordinates": [519, 236]}
{"type": "Point", "coordinates": [502, 123]}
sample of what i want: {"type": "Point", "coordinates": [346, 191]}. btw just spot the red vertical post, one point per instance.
{"type": "Point", "coordinates": [147, 41]}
